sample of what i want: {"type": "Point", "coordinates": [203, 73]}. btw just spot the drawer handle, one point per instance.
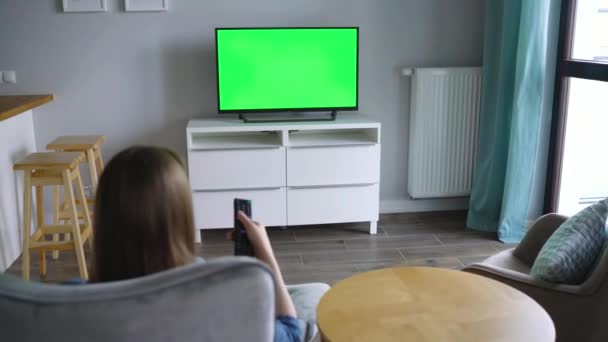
{"type": "Point", "coordinates": [358, 185]}
{"type": "Point", "coordinates": [239, 189]}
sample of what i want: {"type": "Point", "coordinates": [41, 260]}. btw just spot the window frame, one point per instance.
{"type": "Point", "coordinates": [566, 68]}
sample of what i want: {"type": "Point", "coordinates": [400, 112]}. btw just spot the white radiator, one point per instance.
{"type": "Point", "coordinates": [443, 131]}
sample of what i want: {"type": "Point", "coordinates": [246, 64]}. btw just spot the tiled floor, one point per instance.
{"type": "Point", "coordinates": [334, 252]}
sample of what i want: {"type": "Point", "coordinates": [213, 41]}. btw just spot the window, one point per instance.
{"type": "Point", "coordinates": [576, 175]}
{"type": "Point", "coordinates": [590, 36]}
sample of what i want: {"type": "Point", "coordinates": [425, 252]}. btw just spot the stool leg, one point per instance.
{"type": "Point", "coordinates": [85, 208]}
{"type": "Point", "coordinates": [92, 170]}
{"type": "Point", "coordinates": [56, 204]}
{"type": "Point", "coordinates": [67, 237]}
{"type": "Point", "coordinates": [40, 226]}
{"type": "Point", "coordinates": [27, 224]}
{"type": "Point", "coordinates": [69, 191]}
{"type": "Point", "coordinates": [63, 206]}
{"type": "Point", "coordinates": [42, 270]}
{"type": "Point", "coordinates": [99, 159]}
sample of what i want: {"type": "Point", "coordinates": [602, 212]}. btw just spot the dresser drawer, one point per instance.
{"type": "Point", "coordinates": [320, 205]}
{"type": "Point", "coordinates": [214, 209]}
{"type": "Point", "coordinates": [334, 165]}
{"type": "Point", "coordinates": [237, 169]}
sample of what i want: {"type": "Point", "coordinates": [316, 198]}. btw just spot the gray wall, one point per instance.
{"type": "Point", "coordinates": [139, 77]}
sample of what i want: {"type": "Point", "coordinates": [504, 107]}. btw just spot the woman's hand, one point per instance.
{"type": "Point", "coordinates": [258, 237]}
{"type": "Point", "coordinates": [256, 232]}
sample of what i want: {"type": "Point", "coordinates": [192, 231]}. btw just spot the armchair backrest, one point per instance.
{"type": "Point", "coordinates": [231, 299]}
{"type": "Point", "coordinates": [539, 233]}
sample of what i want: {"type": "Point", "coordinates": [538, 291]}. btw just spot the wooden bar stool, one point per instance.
{"type": "Point", "coordinates": [90, 145]}
{"type": "Point", "coordinates": [53, 169]}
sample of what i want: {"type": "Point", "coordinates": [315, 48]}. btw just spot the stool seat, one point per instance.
{"type": "Point", "coordinates": [49, 160]}
{"type": "Point", "coordinates": [90, 145]}
{"type": "Point", "coordinates": [76, 142]}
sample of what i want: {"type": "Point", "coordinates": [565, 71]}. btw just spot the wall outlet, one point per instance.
{"type": "Point", "coordinates": [9, 76]}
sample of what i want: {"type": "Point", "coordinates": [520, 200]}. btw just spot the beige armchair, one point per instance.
{"type": "Point", "coordinates": [579, 312]}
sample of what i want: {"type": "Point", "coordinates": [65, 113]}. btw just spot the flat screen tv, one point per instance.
{"type": "Point", "coordinates": [287, 69]}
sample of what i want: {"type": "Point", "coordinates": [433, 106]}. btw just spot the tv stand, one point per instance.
{"type": "Point", "coordinates": [288, 117]}
{"type": "Point", "coordinates": [306, 173]}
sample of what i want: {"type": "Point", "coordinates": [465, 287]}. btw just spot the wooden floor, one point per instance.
{"type": "Point", "coordinates": [333, 252]}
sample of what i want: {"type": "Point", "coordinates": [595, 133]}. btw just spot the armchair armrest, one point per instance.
{"type": "Point", "coordinates": [537, 235]}
{"type": "Point", "coordinates": [522, 281]}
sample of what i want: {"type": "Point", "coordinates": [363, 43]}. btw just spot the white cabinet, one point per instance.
{"type": "Point", "coordinates": [294, 173]}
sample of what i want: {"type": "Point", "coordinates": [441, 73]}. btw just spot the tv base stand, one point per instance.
{"type": "Point", "coordinates": [287, 117]}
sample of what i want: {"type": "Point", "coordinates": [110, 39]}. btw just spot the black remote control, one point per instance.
{"type": "Point", "coordinates": [242, 245]}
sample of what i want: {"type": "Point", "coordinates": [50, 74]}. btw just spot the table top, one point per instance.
{"type": "Point", "coordinates": [14, 105]}
{"type": "Point", "coordinates": [429, 304]}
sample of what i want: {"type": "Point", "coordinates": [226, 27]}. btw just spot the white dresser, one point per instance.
{"type": "Point", "coordinates": [297, 173]}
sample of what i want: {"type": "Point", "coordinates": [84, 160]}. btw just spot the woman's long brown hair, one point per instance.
{"type": "Point", "coordinates": [143, 219]}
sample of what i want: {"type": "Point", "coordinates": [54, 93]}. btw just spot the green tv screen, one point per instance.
{"type": "Point", "coordinates": [269, 69]}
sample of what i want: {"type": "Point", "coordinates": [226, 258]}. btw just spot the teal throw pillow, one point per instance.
{"type": "Point", "coordinates": [571, 252]}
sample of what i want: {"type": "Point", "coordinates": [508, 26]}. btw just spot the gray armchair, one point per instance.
{"type": "Point", "coordinates": [229, 299]}
{"type": "Point", "coordinates": [578, 312]}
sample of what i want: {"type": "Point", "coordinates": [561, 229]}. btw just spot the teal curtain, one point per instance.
{"type": "Point", "coordinates": [520, 44]}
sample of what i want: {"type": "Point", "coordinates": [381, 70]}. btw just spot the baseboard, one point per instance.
{"type": "Point", "coordinates": [410, 206]}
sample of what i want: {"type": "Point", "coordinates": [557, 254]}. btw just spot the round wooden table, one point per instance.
{"type": "Point", "coordinates": [429, 304]}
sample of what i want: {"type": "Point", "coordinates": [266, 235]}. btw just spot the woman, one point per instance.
{"type": "Point", "coordinates": [144, 224]}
